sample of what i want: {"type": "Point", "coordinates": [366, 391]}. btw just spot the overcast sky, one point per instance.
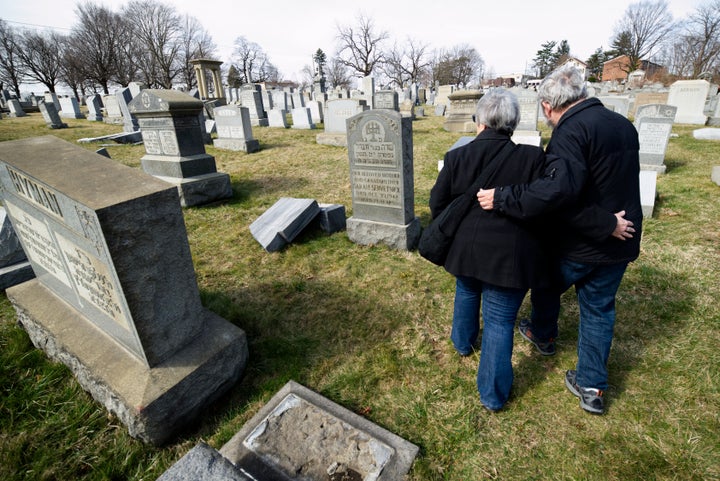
{"type": "Point", "coordinates": [507, 34]}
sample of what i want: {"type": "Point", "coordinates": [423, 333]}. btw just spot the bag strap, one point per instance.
{"type": "Point", "coordinates": [490, 168]}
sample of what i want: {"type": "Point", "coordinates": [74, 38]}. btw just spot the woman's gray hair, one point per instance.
{"type": "Point", "coordinates": [562, 87]}
{"type": "Point", "coordinates": [498, 110]}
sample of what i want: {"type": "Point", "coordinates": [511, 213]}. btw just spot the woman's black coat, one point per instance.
{"type": "Point", "coordinates": [489, 246]}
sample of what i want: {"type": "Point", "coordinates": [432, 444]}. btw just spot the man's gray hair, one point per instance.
{"type": "Point", "coordinates": [499, 110]}
{"type": "Point", "coordinates": [562, 87]}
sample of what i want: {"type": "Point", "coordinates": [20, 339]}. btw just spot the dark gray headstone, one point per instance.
{"type": "Point", "coordinates": [130, 122]}
{"type": "Point", "coordinates": [51, 116]}
{"type": "Point", "coordinates": [332, 218]}
{"type": "Point", "coordinates": [115, 298]}
{"type": "Point", "coordinates": [380, 150]}
{"type": "Point", "coordinates": [175, 146]}
{"type": "Point", "coordinates": [15, 108]}
{"type": "Point", "coordinates": [203, 463]}
{"type": "Point", "coordinates": [14, 266]}
{"type": "Point", "coordinates": [94, 105]}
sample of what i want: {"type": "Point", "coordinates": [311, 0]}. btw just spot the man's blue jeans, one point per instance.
{"type": "Point", "coordinates": [499, 310]}
{"type": "Point", "coordinates": [596, 287]}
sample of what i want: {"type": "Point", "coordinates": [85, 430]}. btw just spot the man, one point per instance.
{"type": "Point", "coordinates": [595, 172]}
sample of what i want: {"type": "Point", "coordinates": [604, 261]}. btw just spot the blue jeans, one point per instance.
{"type": "Point", "coordinates": [500, 306]}
{"type": "Point", "coordinates": [595, 287]}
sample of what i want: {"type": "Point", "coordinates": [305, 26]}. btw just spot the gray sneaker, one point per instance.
{"type": "Point", "coordinates": [591, 399]}
{"type": "Point", "coordinates": [546, 348]}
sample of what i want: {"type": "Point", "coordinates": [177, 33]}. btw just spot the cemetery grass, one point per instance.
{"type": "Point", "coordinates": [368, 328]}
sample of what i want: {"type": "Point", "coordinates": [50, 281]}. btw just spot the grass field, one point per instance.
{"type": "Point", "coordinates": [368, 328]}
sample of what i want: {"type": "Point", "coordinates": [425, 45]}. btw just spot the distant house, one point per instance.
{"type": "Point", "coordinates": [617, 69]}
{"type": "Point", "coordinates": [578, 64]}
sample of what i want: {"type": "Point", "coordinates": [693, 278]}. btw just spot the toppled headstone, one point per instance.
{"type": "Point", "coordinates": [281, 223]}
{"type": "Point", "coordinates": [203, 463]}
{"type": "Point", "coordinates": [708, 133]}
{"type": "Point", "coordinates": [332, 218]}
{"type": "Point", "coordinates": [115, 299]}
{"type": "Point", "coordinates": [300, 435]}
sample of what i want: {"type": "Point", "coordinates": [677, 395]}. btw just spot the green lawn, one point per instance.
{"type": "Point", "coordinates": [368, 328]}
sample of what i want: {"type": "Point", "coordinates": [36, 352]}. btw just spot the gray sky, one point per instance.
{"type": "Point", "coordinates": [506, 34]}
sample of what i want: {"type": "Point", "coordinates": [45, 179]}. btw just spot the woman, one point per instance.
{"type": "Point", "coordinates": [494, 258]}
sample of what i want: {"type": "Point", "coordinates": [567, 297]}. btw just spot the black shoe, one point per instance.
{"type": "Point", "coordinates": [591, 399]}
{"type": "Point", "coordinates": [545, 348]}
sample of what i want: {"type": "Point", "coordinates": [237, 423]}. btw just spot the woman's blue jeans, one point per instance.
{"type": "Point", "coordinates": [500, 306]}
{"type": "Point", "coordinates": [596, 287]}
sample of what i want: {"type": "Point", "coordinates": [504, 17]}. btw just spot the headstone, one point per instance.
{"type": "Point", "coordinates": [407, 109]}
{"type": "Point", "coordinates": [70, 108]}
{"type": "Point", "coordinates": [619, 103]}
{"type": "Point", "coordinates": [648, 184]}
{"type": "Point", "coordinates": [299, 431]}
{"type": "Point", "coordinates": [647, 98]}
{"type": "Point", "coordinates": [332, 218]}
{"type": "Point", "coordinates": [14, 265]}
{"type": "Point", "coordinates": [368, 90]}
{"type": "Point", "coordinates": [113, 114]}
{"type": "Point", "coordinates": [689, 97]}
{"type": "Point", "coordinates": [103, 151]}
{"type": "Point", "coordinates": [94, 105]}
{"type": "Point", "coordinates": [315, 107]}
{"type": "Point", "coordinates": [380, 150]}
{"type": "Point", "coordinates": [336, 114]}
{"type": "Point", "coordinates": [52, 98]}
{"type": "Point", "coordinates": [135, 88]}
{"type": "Point", "coordinates": [707, 134]}
{"type": "Point", "coordinates": [15, 108]}
{"type": "Point", "coordinates": [301, 118]}
{"type": "Point", "coordinates": [281, 223]}
{"type": "Point", "coordinates": [387, 99]}
{"type": "Point", "coordinates": [529, 106]}
{"type": "Point", "coordinates": [715, 175]}
{"type": "Point", "coordinates": [252, 100]}
{"type": "Point", "coordinates": [714, 111]}
{"type": "Point", "coordinates": [277, 118]}
{"type": "Point", "coordinates": [654, 124]}
{"type": "Point", "coordinates": [280, 100]}
{"type": "Point", "coordinates": [463, 104]}
{"type": "Point", "coordinates": [440, 110]}
{"type": "Point", "coordinates": [51, 116]}
{"type": "Point", "coordinates": [174, 145]}
{"type": "Point", "coordinates": [130, 123]}
{"type": "Point", "coordinates": [442, 94]}
{"type": "Point", "coordinates": [203, 463]}
{"type": "Point", "coordinates": [234, 131]}
{"type": "Point", "coordinates": [297, 100]}
{"type": "Point", "coordinates": [115, 298]}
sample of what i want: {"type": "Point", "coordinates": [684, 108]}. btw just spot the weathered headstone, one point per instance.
{"type": "Point", "coordinates": [281, 223]}
{"type": "Point", "coordinates": [94, 105]}
{"type": "Point", "coordinates": [654, 124]}
{"type": "Point", "coordinates": [51, 116]}
{"type": "Point", "coordinates": [407, 109]}
{"type": "Point", "coordinates": [252, 100]}
{"type": "Point", "coordinates": [174, 145]}
{"type": "Point", "coordinates": [647, 98]}
{"type": "Point", "coordinates": [234, 131]}
{"type": "Point", "coordinates": [689, 97]}
{"type": "Point", "coordinates": [299, 431]}
{"type": "Point", "coordinates": [70, 109]}
{"type": "Point", "coordinates": [15, 108]}
{"type": "Point", "coordinates": [529, 107]}
{"type": "Point", "coordinates": [277, 118]}
{"type": "Point", "coordinates": [463, 104]}
{"type": "Point", "coordinates": [316, 115]}
{"type": "Point", "coordinates": [336, 114]}
{"type": "Point", "coordinates": [113, 114]}
{"type": "Point", "coordinates": [442, 93]}
{"type": "Point", "coordinates": [618, 103]}
{"type": "Point", "coordinates": [301, 118]}
{"type": "Point", "coordinates": [715, 174]}
{"type": "Point", "coordinates": [713, 111]}
{"type": "Point", "coordinates": [387, 99]}
{"type": "Point", "coordinates": [380, 150]}
{"type": "Point", "coordinates": [648, 186]}
{"type": "Point", "coordinates": [708, 133]}
{"type": "Point", "coordinates": [124, 97]}
{"type": "Point", "coordinates": [115, 298]}
{"type": "Point", "coordinates": [14, 266]}
{"type": "Point", "coordinates": [280, 100]}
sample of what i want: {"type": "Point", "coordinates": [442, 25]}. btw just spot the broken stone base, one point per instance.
{"type": "Point", "coordinates": [153, 403]}
{"type": "Point", "coordinates": [400, 237]}
{"type": "Point", "coordinates": [201, 189]}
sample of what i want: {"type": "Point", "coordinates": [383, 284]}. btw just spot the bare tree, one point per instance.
{"type": "Point", "coordinates": [158, 27]}
{"type": "Point", "coordinates": [41, 55]}
{"type": "Point", "coordinates": [338, 74]}
{"type": "Point", "coordinates": [641, 32]}
{"type": "Point", "coordinates": [11, 69]}
{"type": "Point", "coordinates": [360, 47]}
{"type": "Point", "coordinates": [403, 65]}
{"type": "Point", "coordinates": [94, 44]}
{"type": "Point", "coordinates": [252, 63]}
{"type": "Point", "coordinates": [700, 43]}
{"type": "Point", "coordinates": [458, 65]}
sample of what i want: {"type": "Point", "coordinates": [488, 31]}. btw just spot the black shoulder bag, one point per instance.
{"type": "Point", "coordinates": [436, 238]}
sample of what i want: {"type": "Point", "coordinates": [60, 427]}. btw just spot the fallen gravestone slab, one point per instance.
{"type": "Point", "coordinates": [281, 223]}
{"type": "Point", "coordinates": [203, 463]}
{"type": "Point", "coordinates": [707, 134]}
{"type": "Point", "coordinates": [300, 435]}
{"type": "Point", "coordinates": [14, 266]}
